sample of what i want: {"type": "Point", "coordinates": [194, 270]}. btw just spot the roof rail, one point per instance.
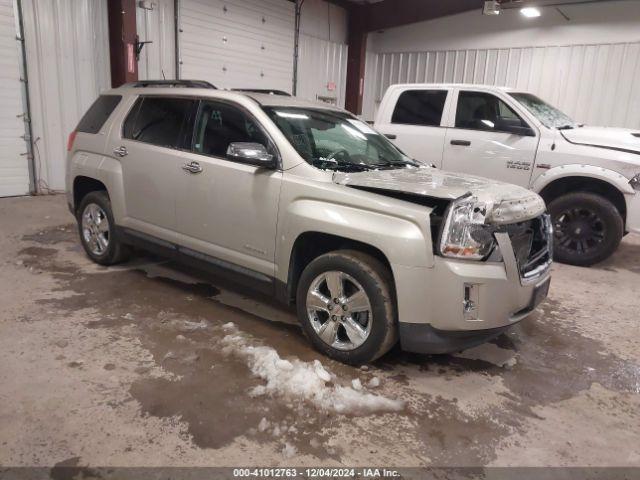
{"type": "Point", "coordinates": [267, 91]}
{"type": "Point", "coordinates": [170, 83]}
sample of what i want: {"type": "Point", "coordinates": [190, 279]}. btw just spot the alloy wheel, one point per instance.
{"type": "Point", "coordinates": [95, 229]}
{"type": "Point", "coordinates": [339, 310]}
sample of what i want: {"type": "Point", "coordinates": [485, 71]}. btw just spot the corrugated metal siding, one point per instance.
{"type": "Point", "coordinates": [237, 43]}
{"type": "Point", "coordinates": [322, 63]}
{"type": "Point", "coordinates": [67, 46]}
{"type": "Point", "coordinates": [14, 169]}
{"type": "Point", "coordinates": [157, 59]}
{"type": "Point", "coordinates": [594, 84]}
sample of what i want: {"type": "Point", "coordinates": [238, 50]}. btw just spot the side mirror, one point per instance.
{"type": "Point", "coordinates": [251, 153]}
{"type": "Point", "coordinates": [515, 126]}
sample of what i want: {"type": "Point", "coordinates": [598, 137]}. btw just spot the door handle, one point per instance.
{"type": "Point", "coordinates": [120, 152]}
{"type": "Point", "coordinates": [390, 136]}
{"type": "Point", "coordinates": [193, 167]}
{"type": "Point", "coordinates": [462, 143]}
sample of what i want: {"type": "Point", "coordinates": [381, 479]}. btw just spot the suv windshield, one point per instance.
{"type": "Point", "coordinates": [336, 141]}
{"type": "Point", "coordinates": [549, 115]}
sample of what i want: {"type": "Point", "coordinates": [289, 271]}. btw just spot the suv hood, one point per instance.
{"type": "Point", "coordinates": [507, 203]}
{"type": "Point", "coordinates": [605, 137]}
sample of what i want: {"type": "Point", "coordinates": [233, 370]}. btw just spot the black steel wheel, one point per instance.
{"type": "Point", "coordinates": [587, 228]}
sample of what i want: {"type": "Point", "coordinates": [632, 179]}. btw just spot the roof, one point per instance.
{"type": "Point", "coordinates": [263, 99]}
{"type": "Point", "coordinates": [453, 85]}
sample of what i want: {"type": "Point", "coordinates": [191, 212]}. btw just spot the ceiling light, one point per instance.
{"type": "Point", "coordinates": [530, 12]}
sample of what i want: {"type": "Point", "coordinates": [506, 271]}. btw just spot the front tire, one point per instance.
{"type": "Point", "coordinates": [587, 228]}
{"type": "Point", "coordinates": [98, 234]}
{"type": "Point", "coordinates": [346, 305]}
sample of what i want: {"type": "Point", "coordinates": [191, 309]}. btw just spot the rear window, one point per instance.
{"type": "Point", "coordinates": [161, 121]}
{"type": "Point", "coordinates": [98, 114]}
{"type": "Point", "coordinates": [420, 107]}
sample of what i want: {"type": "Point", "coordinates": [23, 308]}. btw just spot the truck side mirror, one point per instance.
{"type": "Point", "coordinates": [514, 126]}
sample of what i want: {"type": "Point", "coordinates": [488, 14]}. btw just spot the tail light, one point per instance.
{"type": "Point", "coordinates": [72, 138]}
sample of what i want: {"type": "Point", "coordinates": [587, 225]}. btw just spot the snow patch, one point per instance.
{"type": "Point", "coordinates": [374, 382]}
{"type": "Point", "coordinates": [295, 380]}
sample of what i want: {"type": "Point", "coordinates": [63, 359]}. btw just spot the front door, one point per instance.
{"type": "Point", "coordinates": [226, 209]}
{"type": "Point", "coordinates": [477, 145]}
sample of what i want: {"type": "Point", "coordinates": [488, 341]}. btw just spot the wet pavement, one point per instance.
{"type": "Point", "coordinates": [129, 366]}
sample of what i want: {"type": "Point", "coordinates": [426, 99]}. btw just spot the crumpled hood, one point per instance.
{"type": "Point", "coordinates": [507, 203]}
{"type": "Point", "coordinates": [617, 138]}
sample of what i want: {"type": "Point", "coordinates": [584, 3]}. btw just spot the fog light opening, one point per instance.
{"type": "Point", "coordinates": [471, 301]}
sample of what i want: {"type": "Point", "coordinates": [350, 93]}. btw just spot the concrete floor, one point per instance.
{"type": "Point", "coordinates": [125, 367]}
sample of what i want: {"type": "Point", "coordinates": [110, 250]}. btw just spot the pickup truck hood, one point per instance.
{"type": "Point", "coordinates": [605, 137]}
{"type": "Point", "coordinates": [507, 203]}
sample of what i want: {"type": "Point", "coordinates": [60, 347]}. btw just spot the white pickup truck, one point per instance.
{"type": "Point", "coordinates": [588, 176]}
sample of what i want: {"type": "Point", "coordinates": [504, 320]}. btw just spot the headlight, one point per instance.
{"type": "Point", "coordinates": [635, 182]}
{"type": "Point", "coordinates": [465, 234]}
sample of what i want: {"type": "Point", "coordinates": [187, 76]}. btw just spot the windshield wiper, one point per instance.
{"type": "Point", "coordinates": [337, 165]}
{"type": "Point", "coordinates": [566, 127]}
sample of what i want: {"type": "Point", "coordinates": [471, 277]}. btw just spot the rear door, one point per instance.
{"type": "Point", "coordinates": [227, 209]}
{"type": "Point", "coordinates": [148, 148]}
{"type": "Point", "coordinates": [415, 123]}
{"type": "Point", "coordinates": [476, 145]}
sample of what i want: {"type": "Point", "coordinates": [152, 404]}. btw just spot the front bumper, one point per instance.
{"type": "Point", "coordinates": [433, 303]}
{"type": "Point", "coordinates": [633, 213]}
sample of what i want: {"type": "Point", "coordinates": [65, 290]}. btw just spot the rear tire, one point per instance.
{"type": "Point", "coordinates": [98, 232]}
{"type": "Point", "coordinates": [587, 228]}
{"type": "Point", "coordinates": [367, 328]}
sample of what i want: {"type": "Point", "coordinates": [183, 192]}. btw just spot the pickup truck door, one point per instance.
{"type": "Point", "coordinates": [489, 138]}
{"type": "Point", "coordinates": [412, 119]}
{"type": "Point", "coordinates": [225, 209]}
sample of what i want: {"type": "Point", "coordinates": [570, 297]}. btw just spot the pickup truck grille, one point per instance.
{"type": "Point", "coordinates": [532, 243]}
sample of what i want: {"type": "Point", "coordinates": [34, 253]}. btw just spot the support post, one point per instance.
{"type": "Point", "coordinates": [356, 59]}
{"type": "Point", "coordinates": [122, 41]}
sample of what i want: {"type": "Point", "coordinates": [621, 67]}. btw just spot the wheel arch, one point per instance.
{"type": "Point", "coordinates": [83, 185]}
{"type": "Point", "coordinates": [605, 183]}
{"type": "Point", "coordinates": [310, 245]}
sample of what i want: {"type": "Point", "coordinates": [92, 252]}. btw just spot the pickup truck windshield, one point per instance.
{"type": "Point", "coordinates": [336, 141]}
{"type": "Point", "coordinates": [550, 116]}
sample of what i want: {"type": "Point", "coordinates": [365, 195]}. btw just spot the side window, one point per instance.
{"type": "Point", "coordinates": [482, 111]}
{"type": "Point", "coordinates": [420, 107]}
{"type": "Point", "coordinates": [159, 121]}
{"type": "Point", "coordinates": [219, 124]}
{"type": "Point", "coordinates": [98, 113]}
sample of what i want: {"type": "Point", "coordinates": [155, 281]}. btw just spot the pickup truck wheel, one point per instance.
{"type": "Point", "coordinates": [587, 228]}
{"type": "Point", "coordinates": [346, 306]}
{"type": "Point", "coordinates": [97, 230]}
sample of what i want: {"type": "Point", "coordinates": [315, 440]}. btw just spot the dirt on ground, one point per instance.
{"type": "Point", "coordinates": [152, 364]}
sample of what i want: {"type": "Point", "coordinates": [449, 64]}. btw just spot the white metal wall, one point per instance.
{"type": "Point", "coordinates": [322, 70]}
{"type": "Point", "coordinates": [322, 64]}
{"type": "Point", "coordinates": [156, 25]}
{"type": "Point", "coordinates": [237, 43]}
{"type": "Point", "coordinates": [594, 84]}
{"type": "Point", "coordinates": [14, 169]}
{"type": "Point", "coordinates": [67, 46]}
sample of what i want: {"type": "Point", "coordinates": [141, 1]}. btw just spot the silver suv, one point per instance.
{"type": "Point", "coordinates": [305, 202]}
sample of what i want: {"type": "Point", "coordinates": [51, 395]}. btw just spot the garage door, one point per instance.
{"type": "Point", "coordinates": [14, 170]}
{"type": "Point", "coordinates": [237, 43]}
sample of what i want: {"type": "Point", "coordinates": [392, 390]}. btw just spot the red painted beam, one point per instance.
{"type": "Point", "coordinates": [122, 41]}
{"type": "Point", "coordinates": [357, 41]}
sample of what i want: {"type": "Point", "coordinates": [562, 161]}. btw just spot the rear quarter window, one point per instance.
{"type": "Point", "coordinates": [420, 107]}
{"type": "Point", "coordinates": [98, 113]}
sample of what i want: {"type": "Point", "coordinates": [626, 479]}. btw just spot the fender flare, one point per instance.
{"type": "Point", "coordinates": [588, 171]}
